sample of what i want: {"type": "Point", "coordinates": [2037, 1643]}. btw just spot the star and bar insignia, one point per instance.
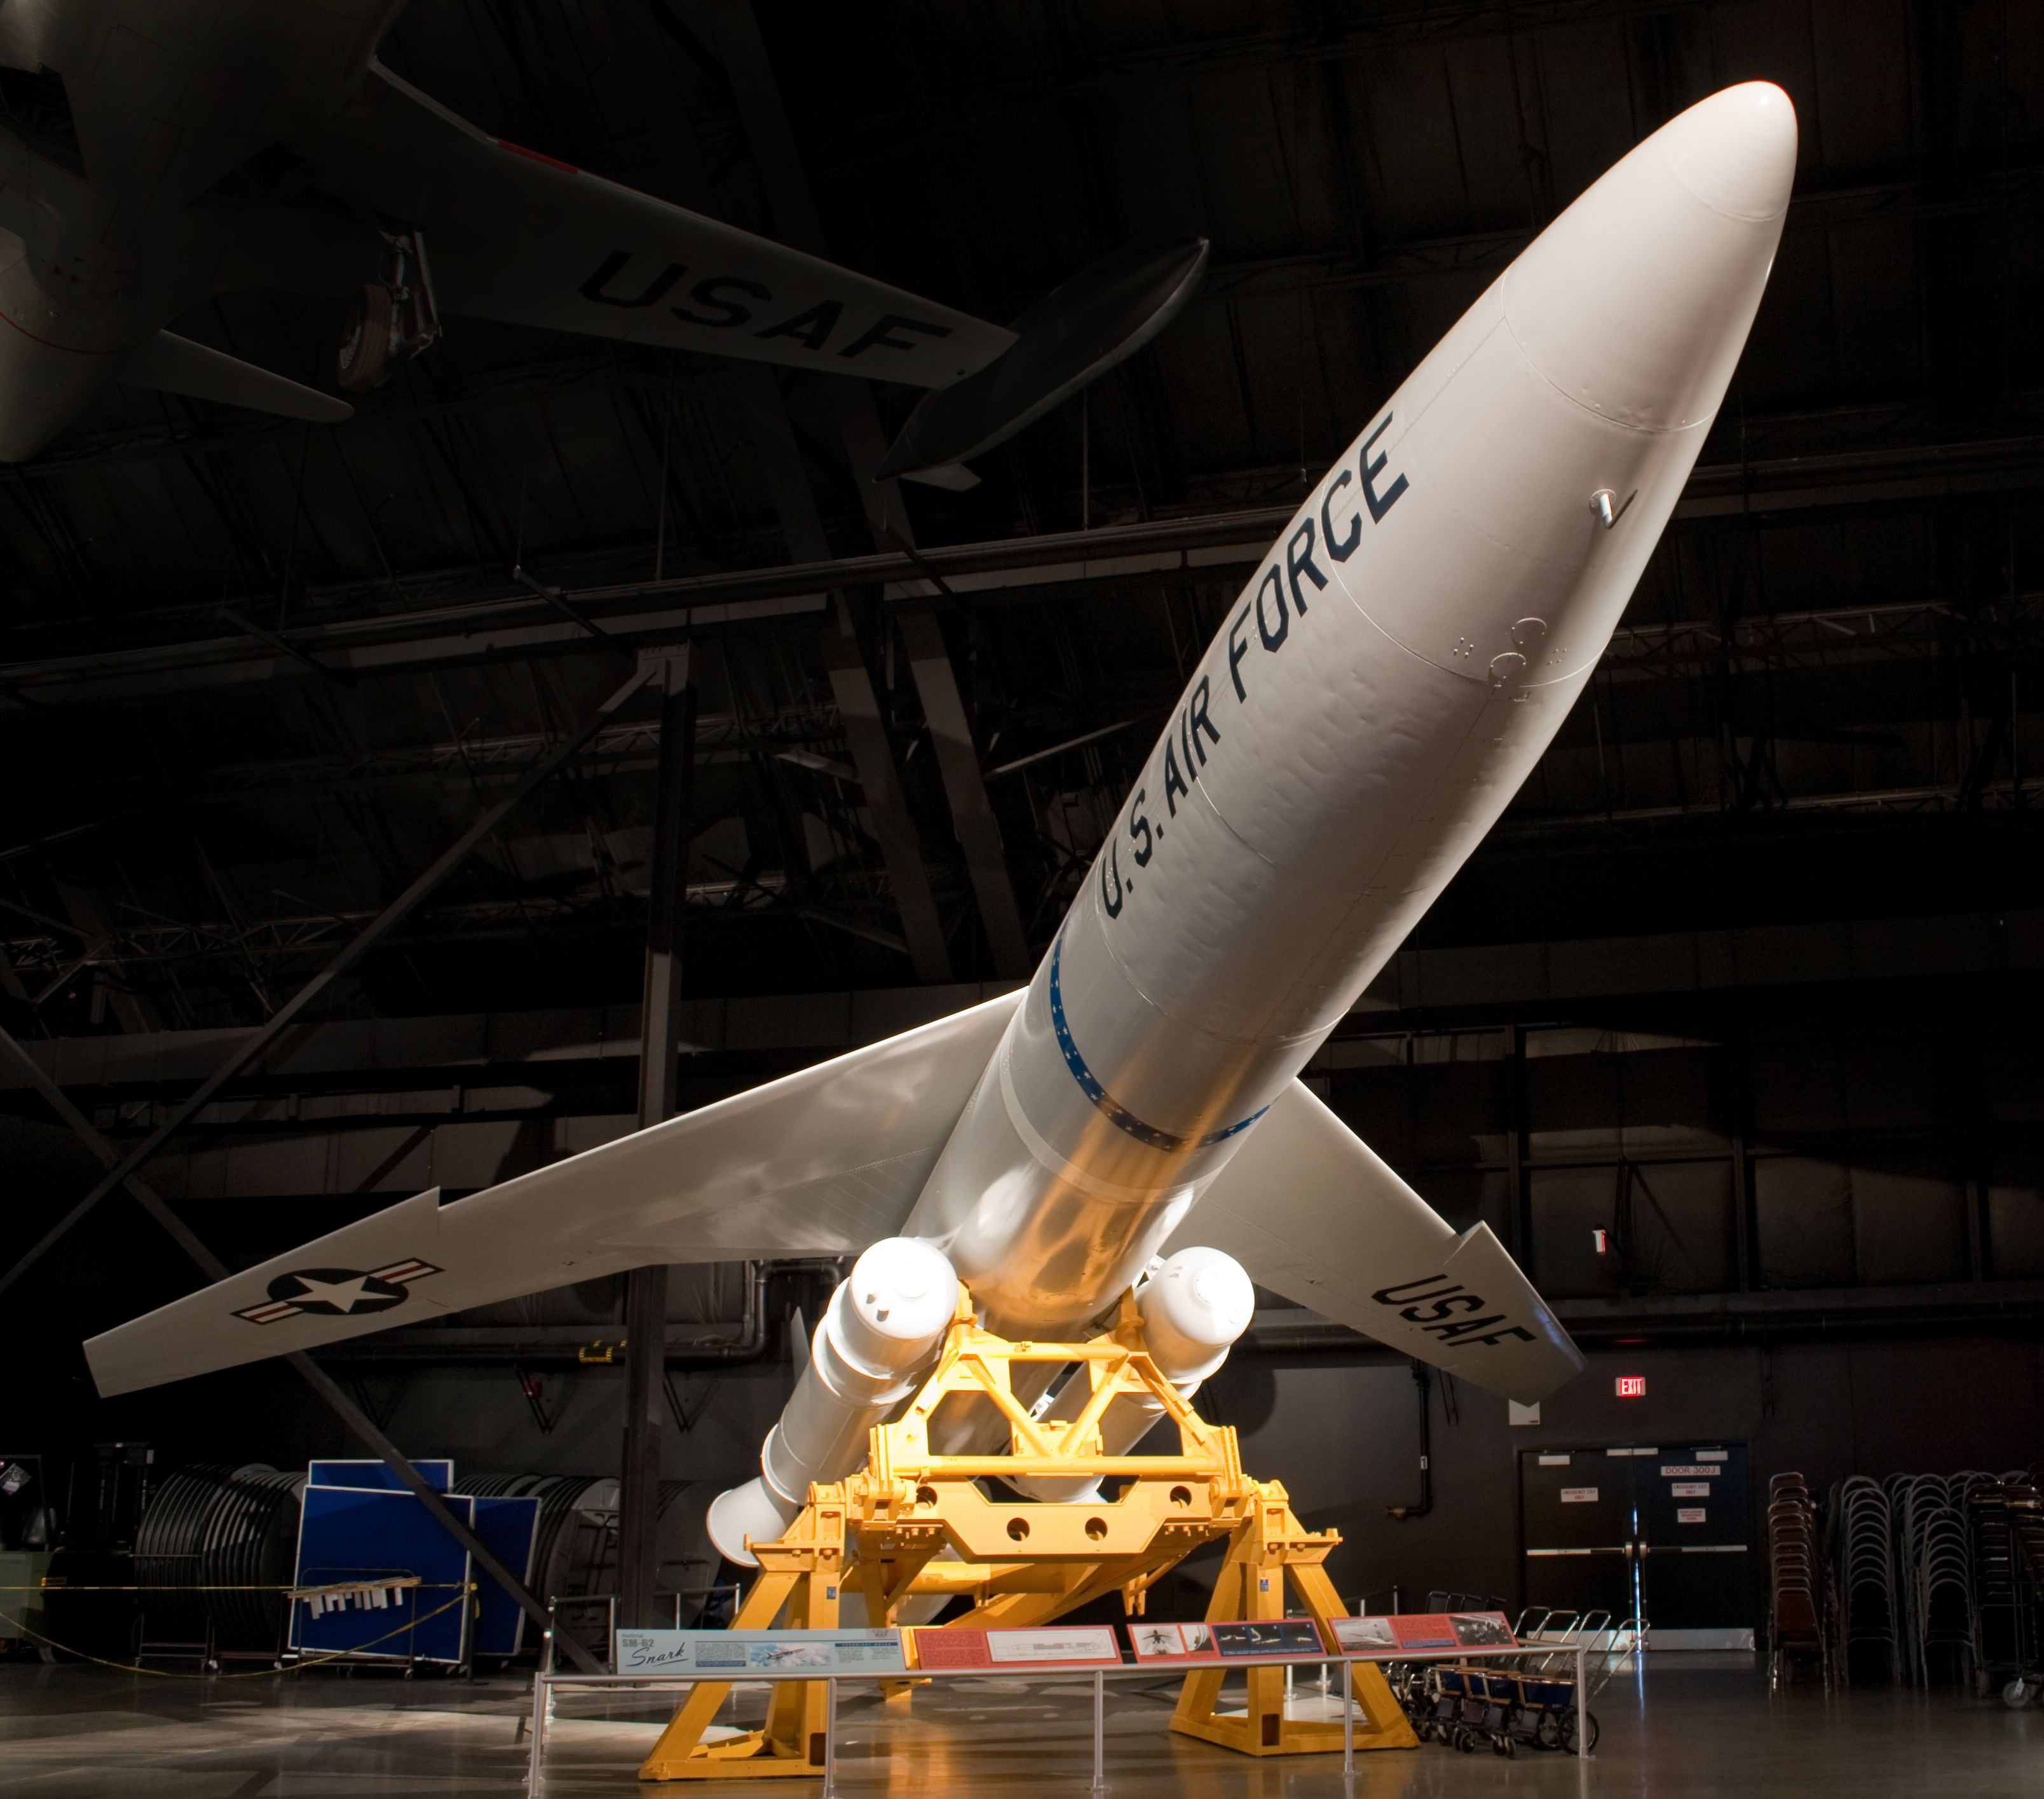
{"type": "Point", "coordinates": [337, 1292]}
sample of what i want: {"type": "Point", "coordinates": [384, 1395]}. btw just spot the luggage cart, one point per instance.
{"type": "Point", "coordinates": [1531, 1704]}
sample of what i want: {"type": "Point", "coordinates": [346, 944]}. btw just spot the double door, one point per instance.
{"type": "Point", "coordinates": [1657, 1532]}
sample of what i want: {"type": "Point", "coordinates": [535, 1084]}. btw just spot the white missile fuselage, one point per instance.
{"type": "Point", "coordinates": [1373, 700]}
{"type": "Point", "coordinates": [1376, 696]}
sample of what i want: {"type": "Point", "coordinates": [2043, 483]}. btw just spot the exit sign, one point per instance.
{"type": "Point", "coordinates": [1632, 1387]}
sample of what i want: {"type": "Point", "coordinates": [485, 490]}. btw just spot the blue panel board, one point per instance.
{"type": "Point", "coordinates": [507, 1528]}
{"type": "Point", "coordinates": [353, 1534]}
{"type": "Point", "coordinates": [438, 1475]}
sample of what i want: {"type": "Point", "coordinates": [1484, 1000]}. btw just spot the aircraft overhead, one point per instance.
{"type": "Point", "coordinates": [165, 157]}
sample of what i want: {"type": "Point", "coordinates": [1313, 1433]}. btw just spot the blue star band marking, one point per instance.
{"type": "Point", "coordinates": [1117, 1114]}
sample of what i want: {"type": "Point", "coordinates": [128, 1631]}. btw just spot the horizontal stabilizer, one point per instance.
{"type": "Point", "coordinates": [1102, 316]}
{"type": "Point", "coordinates": [1313, 1213]}
{"type": "Point", "coordinates": [821, 1163]}
{"type": "Point", "coordinates": [169, 364]}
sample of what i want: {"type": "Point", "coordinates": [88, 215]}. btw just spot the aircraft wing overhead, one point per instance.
{"type": "Point", "coordinates": [821, 1163]}
{"type": "Point", "coordinates": [175, 365]}
{"type": "Point", "coordinates": [515, 235]}
{"type": "Point", "coordinates": [1313, 1213]}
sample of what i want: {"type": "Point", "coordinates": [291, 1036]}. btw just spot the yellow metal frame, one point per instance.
{"type": "Point", "coordinates": [880, 1533]}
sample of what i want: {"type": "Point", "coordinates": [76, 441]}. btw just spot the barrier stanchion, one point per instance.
{"type": "Point", "coordinates": [539, 1730]}
{"type": "Point", "coordinates": [1348, 1720]}
{"type": "Point", "coordinates": [1100, 1730]}
{"type": "Point", "coordinates": [1582, 1713]}
{"type": "Point", "coordinates": [830, 1739]}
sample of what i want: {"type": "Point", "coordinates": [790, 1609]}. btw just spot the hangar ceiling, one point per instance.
{"type": "Point", "coordinates": [256, 675]}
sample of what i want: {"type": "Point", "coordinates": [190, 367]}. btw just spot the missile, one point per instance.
{"type": "Point", "coordinates": [1380, 689]}
{"type": "Point", "coordinates": [1133, 1118]}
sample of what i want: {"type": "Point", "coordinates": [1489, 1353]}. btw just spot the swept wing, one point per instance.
{"type": "Point", "coordinates": [821, 1163]}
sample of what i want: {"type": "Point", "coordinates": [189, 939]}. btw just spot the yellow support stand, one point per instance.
{"type": "Point", "coordinates": [880, 1533]}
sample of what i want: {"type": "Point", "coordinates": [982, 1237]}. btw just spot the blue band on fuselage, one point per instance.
{"type": "Point", "coordinates": [1111, 1108]}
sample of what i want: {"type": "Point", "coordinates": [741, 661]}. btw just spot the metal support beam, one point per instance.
{"type": "Point", "coordinates": [82, 907]}
{"type": "Point", "coordinates": [1215, 546]}
{"type": "Point", "coordinates": [646, 1289]}
{"type": "Point", "coordinates": [735, 32]}
{"type": "Point", "coordinates": [866, 734]}
{"type": "Point", "coordinates": [972, 816]}
{"type": "Point", "coordinates": [894, 826]}
{"type": "Point", "coordinates": [757, 391]}
{"type": "Point", "coordinates": [367, 939]}
{"type": "Point", "coordinates": [316, 1377]}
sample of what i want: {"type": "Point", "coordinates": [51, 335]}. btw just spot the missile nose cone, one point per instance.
{"type": "Point", "coordinates": [1636, 302]}
{"type": "Point", "coordinates": [1736, 151]}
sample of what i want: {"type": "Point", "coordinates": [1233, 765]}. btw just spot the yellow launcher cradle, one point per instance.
{"type": "Point", "coordinates": [879, 1533]}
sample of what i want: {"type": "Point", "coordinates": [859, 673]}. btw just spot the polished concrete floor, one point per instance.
{"type": "Point", "coordinates": [74, 1732]}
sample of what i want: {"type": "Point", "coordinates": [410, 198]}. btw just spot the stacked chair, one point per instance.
{"type": "Point", "coordinates": [1796, 1614]}
{"type": "Point", "coordinates": [1866, 1633]}
{"type": "Point", "coordinates": [1934, 1557]}
{"type": "Point", "coordinates": [1930, 1579]}
{"type": "Point", "coordinates": [2005, 1618]}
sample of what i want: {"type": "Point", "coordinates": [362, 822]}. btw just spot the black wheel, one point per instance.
{"type": "Point", "coordinates": [1466, 1741]}
{"type": "Point", "coordinates": [364, 363]}
{"type": "Point", "coordinates": [1568, 1733]}
{"type": "Point", "coordinates": [1547, 1733]}
{"type": "Point", "coordinates": [1503, 1745]}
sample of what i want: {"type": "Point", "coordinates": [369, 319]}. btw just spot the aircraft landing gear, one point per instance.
{"type": "Point", "coordinates": [389, 321]}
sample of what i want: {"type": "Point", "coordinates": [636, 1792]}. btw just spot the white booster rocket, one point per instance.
{"type": "Point", "coordinates": [1372, 701]}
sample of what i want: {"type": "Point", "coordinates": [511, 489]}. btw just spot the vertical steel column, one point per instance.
{"type": "Point", "coordinates": [1519, 1221]}
{"type": "Point", "coordinates": [646, 1289]}
{"type": "Point", "coordinates": [1745, 1194]}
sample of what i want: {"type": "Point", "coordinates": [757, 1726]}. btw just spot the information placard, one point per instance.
{"type": "Point", "coordinates": [1364, 1636]}
{"type": "Point", "coordinates": [1171, 1642]}
{"type": "Point", "coordinates": [1276, 1636]}
{"type": "Point", "coordinates": [1072, 1646]}
{"type": "Point", "coordinates": [738, 1652]}
{"type": "Point", "coordinates": [1424, 1630]}
{"type": "Point", "coordinates": [1482, 1630]}
{"type": "Point", "coordinates": [1387, 1633]}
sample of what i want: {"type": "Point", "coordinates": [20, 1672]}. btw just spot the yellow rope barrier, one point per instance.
{"type": "Point", "coordinates": [255, 1673]}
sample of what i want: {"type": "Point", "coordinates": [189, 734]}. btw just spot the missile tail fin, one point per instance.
{"type": "Point", "coordinates": [1313, 1213]}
